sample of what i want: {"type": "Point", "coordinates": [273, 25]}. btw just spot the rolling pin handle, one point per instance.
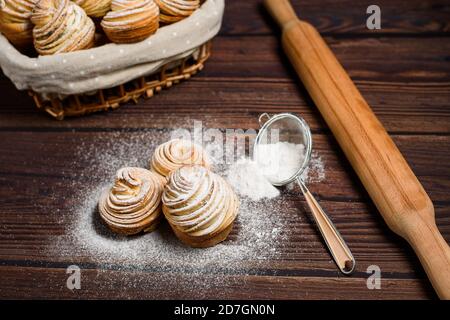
{"type": "Point", "coordinates": [281, 11]}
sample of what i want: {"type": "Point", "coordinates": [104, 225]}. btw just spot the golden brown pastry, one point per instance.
{"type": "Point", "coordinates": [61, 26]}
{"type": "Point", "coordinates": [131, 21]}
{"type": "Point", "coordinates": [178, 153]}
{"type": "Point", "coordinates": [133, 204]}
{"type": "Point", "coordinates": [176, 10]}
{"type": "Point", "coordinates": [15, 21]}
{"type": "Point", "coordinates": [95, 8]}
{"type": "Point", "coordinates": [200, 206]}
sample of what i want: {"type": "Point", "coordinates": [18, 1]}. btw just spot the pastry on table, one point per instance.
{"type": "Point", "coordinates": [61, 26]}
{"type": "Point", "coordinates": [200, 206]}
{"type": "Point", "coordinates": [175, 10]}
{"type": "Point", "coordinates": [131, 21]}
{"type": "Point", "coordinates": [177, 153]}
{"type": "Point", "coordinates": [133, 204]}
{"type": "Point", "coordinates": [15, 23]}
{"type": "Point", "coordinates": [95, 8]}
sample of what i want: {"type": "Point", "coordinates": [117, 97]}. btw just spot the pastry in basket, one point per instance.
{"type": "Point", "coordinates": [131, 21]}
{"type": "Point", "coordinates": [177, 153]}
{"type": "Point", "coordinates": [176, 10]}
{"type": "Point", "coordinates": [95, 8]}
{"type": "Point", "coordinates": [61, 26]}
{"type": "Point", "coordinates": [133, 204]}
{"type": "Point", "coordinates": [15, 21]}
{"type": "Point", "coordinates": [200, 206]}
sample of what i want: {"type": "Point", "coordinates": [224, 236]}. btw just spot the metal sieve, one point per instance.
{"type": "Point", "coordinates": [289, 130]}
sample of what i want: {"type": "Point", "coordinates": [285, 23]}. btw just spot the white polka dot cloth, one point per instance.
{"type": "Point", "coordinates": [112, 64]}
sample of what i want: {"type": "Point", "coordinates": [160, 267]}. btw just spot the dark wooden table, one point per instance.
{"type": "Point", "coordinates": [403, 70]}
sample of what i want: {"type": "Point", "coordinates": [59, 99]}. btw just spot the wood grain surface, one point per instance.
{"type": "Point", "coordinates": [403, 70]}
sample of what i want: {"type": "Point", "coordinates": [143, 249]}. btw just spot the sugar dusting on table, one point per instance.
{"type": "Point", "coordinates": [257, 236]}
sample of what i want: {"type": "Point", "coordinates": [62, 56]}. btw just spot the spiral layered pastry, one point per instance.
{"type": "Point", "coordinates": [133, 204]}
{"type": "Point", "coordinates": [61, 26]}
{"type": "Point", "coordinates": [200, 206]}
{"type": "Point", "coordinates": [15, 21]}
{"type": "Point", "coordinates": [175, 10]}
{"type": "Point", "coordinates": [95, 8]}
{"type": "Point", "coordinates": [177, 153]}
{"type": "Point", "coordinates": [131, 21]}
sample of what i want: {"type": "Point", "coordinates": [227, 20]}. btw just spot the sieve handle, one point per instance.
{"type": "Point", "coordinates": [334, 241]}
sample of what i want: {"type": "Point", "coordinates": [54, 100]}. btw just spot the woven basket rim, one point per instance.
{"type": "Point", "coordinates": [103, 100]}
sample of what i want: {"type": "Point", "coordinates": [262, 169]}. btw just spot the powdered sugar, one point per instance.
{"type": "Point", "coordinates": [274, 162]}
{"type": "Point", "coordinates": [258, 233]}
{"type": "Point", "coordinates": [248, 180]}
{"type": "Point", "coordinates": [280, 161]}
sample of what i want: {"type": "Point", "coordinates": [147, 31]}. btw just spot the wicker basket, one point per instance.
{"type": "Point", "coordinates": [107, 76]}
{"type": "Point", "coordinates": [109, 99]}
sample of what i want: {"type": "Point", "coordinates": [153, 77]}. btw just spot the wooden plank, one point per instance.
{"type": "Point", "coordinates": [40, 155]}
{"type": "Point", "coordinates": [409, 91]}
{"type": "Point", "coordinates": [31, 282]}
{"type": "Point", "coordinates": [384, 59]}
{"type": "Point", "coordinates": [32, 237]}
{"type": "Point", "coordinates": [42, 174]}
{"type": "Point", "coordinates": [403, 72]}
{"type": "Point", "coordinates": [420, 108]}
{"type": "Point", "coordinates": [344, 17]}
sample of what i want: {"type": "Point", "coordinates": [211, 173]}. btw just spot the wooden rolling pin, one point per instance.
{"type": "Point", "coordinates": [390, 182]}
